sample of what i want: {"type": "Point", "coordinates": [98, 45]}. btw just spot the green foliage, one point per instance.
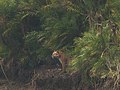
{"type": "Point", "coordinates": [31, 29]}
{"type": "Point", "coordinates": [96, 55]}
{"type": "Point", "coordinates": [35, 52]}
{"type": "Point", "coordinates": [3, 51]}
{"type": "Point", "coordinates": [7, 8]}
{"type": "Point", "coordinates": [60, 25]}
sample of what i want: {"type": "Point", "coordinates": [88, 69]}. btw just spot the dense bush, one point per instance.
{"type": "Point", "coordinates": [97, 55]}
{"type": "Point", "coordinates": [31, 29]}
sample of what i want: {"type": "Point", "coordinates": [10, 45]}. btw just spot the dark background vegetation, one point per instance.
{"type": "Point", "coordinates": [87, 30]}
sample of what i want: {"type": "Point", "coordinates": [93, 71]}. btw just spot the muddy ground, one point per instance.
{"type": "Point", "coordinates": [46, 79]}
{"type": "Point", "coordinates": [39, 79]}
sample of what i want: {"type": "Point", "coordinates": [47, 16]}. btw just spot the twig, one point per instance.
{"type": "Point", "coordinates": [5, 74]}
{"type": "Point", "coordinates": [3, 71]}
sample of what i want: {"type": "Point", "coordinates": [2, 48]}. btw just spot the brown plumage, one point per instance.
{"type": "Point", "coordinates": [62, 58]}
